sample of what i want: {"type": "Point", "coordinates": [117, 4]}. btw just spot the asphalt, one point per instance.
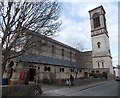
{"type": "Point", "coordinates": [63, 91]}
{"type": "Point", "coordinates": [107, 89]}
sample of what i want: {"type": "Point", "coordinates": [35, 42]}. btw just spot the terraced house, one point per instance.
{"type": "Point", "coordinates": [55, 61]}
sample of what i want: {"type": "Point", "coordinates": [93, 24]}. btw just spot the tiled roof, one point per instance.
{"type": "Point", "coordinates": [42, 59]}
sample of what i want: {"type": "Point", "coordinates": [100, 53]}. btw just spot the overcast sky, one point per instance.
{"type": "Point", "coordinates": [76, 24]}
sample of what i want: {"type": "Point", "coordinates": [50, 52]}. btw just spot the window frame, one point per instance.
{"type": "Point", "coordinates": [98, 44]}
{"type": "Point", "coordinates": [46, 68]}
{"type": "Point", "coordinates": [63, 52]}
{"type": "Point", "coordinates": [102, 64]}
{"type": "Point", "coordinates": [98, 64]}
{"type": "Point", "coordinates": [72, 70]}
{"type": "Point", "coordinates": [96, 20]}
{"type": "Point", "coordinates": [53, 49]}
{"type": "Point", "coordinates": [61, 69]}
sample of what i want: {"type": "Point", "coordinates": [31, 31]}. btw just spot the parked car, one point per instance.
{"type": "Point", "coordinates": [117, 78]}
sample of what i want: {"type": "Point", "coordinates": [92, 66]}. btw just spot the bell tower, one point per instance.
{"type": "Point", "coordinates": [100, 40]}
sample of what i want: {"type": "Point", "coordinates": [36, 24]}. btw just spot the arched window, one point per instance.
{"type": "Point", "coordinates": [96, 20]}
{"type": "Point", "coordinates": [103, 64]}
{"type": "Point", "coordinates": [98, 64]}
{"type": "Point", "coordinates": [98, 44]}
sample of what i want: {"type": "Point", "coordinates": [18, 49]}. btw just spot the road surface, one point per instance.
{"type": "Point", "coordinates": [107, 88]}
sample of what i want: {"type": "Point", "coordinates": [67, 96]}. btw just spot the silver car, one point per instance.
{"type": "Point", "coordinates": [117, 78]}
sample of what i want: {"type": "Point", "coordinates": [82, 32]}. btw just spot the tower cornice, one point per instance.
{"type": "Point", "coordinates": [97, 8]}
{"type": "Point", "coordinates": [99, 34]}
{"type": "Point", "coordinates": [97, 29]}
{"type": "Point", "coordinates": [102, 56]}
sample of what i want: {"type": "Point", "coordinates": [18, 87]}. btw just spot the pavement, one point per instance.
{"type": "Point", "coordinates": [63, 91]}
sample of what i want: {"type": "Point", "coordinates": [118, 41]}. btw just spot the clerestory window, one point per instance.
{"type": "Point", "coordinates": [53, 49]}
{"type": "Point", "coordinates": [62, 52]}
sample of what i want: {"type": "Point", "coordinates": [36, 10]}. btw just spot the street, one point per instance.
{"type": "Point", "coordinates": [107, 88]}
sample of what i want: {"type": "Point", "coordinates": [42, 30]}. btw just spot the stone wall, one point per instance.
{"type": "Point", "coordinates": [46, 49]}
{"type": "Point", "coordinates": [86, 59]}
{"type": "Point", "coordinates": [25, 90]}
{"type": "Point", "coordinates": [17, 90]}
{"type": "Point", "coordinates": [54, 73]}
{"type": "Point", "coordinates": [88, 80]}
{"type": "Point", "coordinates": [107, 63]}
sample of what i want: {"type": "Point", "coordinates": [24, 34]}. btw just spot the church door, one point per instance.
{"type": "Point", "coordinates": [32, 72]}
{"type": "Point", "coordinates": [86, 74]}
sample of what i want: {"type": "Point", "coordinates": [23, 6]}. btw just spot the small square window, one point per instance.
{"type": "Point", "coordinates": [72, 70]}
{"type": "Point", "coordinates": [97, 71]}
{"type": "Point", "coordinates": [45, 68]}
{"type": "Point", "coordinates": [49, 68]}
{"type": "Point", "coordinates": [38, 68]}
{"type": "Point", "coordinates": [80, 70]}
{"type": "Point", "coordinates": [61, 69]}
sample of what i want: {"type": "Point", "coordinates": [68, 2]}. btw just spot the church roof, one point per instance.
{"type": "Point", "coordinates": [42, 59]}
{"type": "Point", "coordinates": [53, 41]}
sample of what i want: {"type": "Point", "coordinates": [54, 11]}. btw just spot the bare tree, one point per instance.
{"type": "Point", "coordinates": [79, 45]}
{"type": "Point", "coordinates": [18, 19]}
{"type": "Point", "coordinates": [77, 55]}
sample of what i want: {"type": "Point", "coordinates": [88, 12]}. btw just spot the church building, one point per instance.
{"type": "Point", "coordinates": [55, 61]}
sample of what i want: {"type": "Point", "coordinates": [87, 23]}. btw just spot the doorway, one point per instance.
{"type": "Point", "coordinates": [86, 74]}
{"type": "Point", "coordinates": [32, 73]}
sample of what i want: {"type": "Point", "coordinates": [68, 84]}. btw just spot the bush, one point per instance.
{"type": "Point", "coordinates": [98, 75]}
{"type": "Point", "coordinates": [92, 74]}
{"type": "Point", "coordinates": [105, 74]}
